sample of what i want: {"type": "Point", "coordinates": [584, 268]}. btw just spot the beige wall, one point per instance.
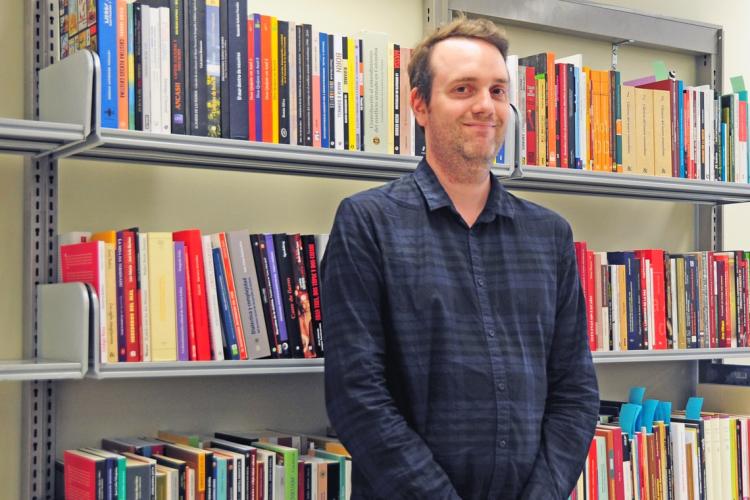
{"type": "Point", "coordinates": [97, 196]}
{"type": "Point", "coordinates": [11, 215]}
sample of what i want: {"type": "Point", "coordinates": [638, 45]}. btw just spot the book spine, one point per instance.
{"type": "Point", "coordinates": [265, 293]}
{"type": "Point", "coordinates": [301, 294]}
{"type": "Point", "coordinates": [232, 291]}
{"type": "Point", "coordinates": [266, 82]}
{"type": "Point", "coordinates": [225, 97]}
{"type": "Point", "coordinates": [231, 351]}
{"type": "Point", "coordinates": [213, 67]}
{"type": "Point", "coordinates": [192, 341]}
{"type": "Point", "coordinates": [133, 341]}
{"type": "Point", "coordinates": [120, 291]}
{"type": "Point", "coordinates": [197, 69]}
{"type": "Point", "coordinates": [177, 55]}
{"type": "Point", "coordinates": [286, 283]}
{"type": "Point", "coordinates": [238, 70]}
{"type": "Point", "coordinates": [307, 87]}
{"type": "Point", "coordinates": [145, 310]}
{"type": "Point", "coordinates": [181, 300]}
{"type": "Point", "coordinates": [106, 23]}
{"type": "Point", "coordinates": [396, 83]}
{"type": "Point", "coordinates": [299, 104]}
{"type": "Point", "coordinates": [311, 270]}
{"type": "Point", "coordinates": [154, 79]}
{"type": "Point", "coordinates": [278, 296]}
{"type": "Point", "coordinates": [325, 140]}
{"type": "Point", "coordinates": [338, 93]}
{"type": "Point", "coordinates": [283, 72]}
{"type": "Point", "coordinates": [122, 64]}
{"type": "Point", "coordinates": [216, 344]}
{"type": "Point", "coordinates": [274, 62]}
{"type": "Point", "coordinates": [258, 76]}
{"type": "Point", "coordinates": [315, 89]}
{"type": "Point", "coordinates": [250, 75]}
{"type": "Point", "coordinates": [165, 70]}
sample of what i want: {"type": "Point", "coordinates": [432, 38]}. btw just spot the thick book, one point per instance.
{"type": "Point", "coordinates": [219, 240]}
{"type": "Point", "coordinates": [269, 315]}
{"type": "Point", "coordinates": [85, 475]}
{"type": "Point", "coordinates": [301, 293]}
{"type": "Point", "coordinates": [287, 457]}
{"type": "Point", "coordinates": [310, 255]}
{"type": "Point", "coordinates": [110, 268]}
{"type": "Point", "coordinates": [375, 58]}
{"type": "Point", "coordinates": [277, 297]}
{"type": "Point", "coordinates": [248, 294]}
{"type": "Point", "coordinates": [196, 68]}
{"type": "Point", "coordinates": [200, 350]}
{"type": "Point", "coordinates": [162, 310]}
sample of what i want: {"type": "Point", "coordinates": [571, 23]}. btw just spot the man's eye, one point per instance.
{"type": "Point", "coordinates": [499, 91]}
{"type": "Point", "coordinates": [462, 89]}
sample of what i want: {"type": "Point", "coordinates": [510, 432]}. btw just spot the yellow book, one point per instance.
{"type": "Point", "coordinates": [162, 309]}
{"type": "Point", "coordinates": [644, 139]}
{"type": "Point", "coordinates": [627, 95]}
{"type": "Point", "coordinates": [598, 120]}
{"type": "Point", "coordinates": [541, 120]}
{"type": "Point", "coordinates": [110, 320]}
{"type": "Point", "coordinates": [732, 431]}
{"type": "Point", "coordinates": [662, 134]}
{"type": "Point", "coordinates": [351, 69]}
{"type": "Point", "coordinates": [275, 78]}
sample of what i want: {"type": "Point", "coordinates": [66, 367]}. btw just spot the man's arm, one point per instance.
{"type": "Point", "coordinates": [394, 459]}
{"type": "Point", "coordinates": [572, 405]}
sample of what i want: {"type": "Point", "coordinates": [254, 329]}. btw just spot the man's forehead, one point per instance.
{"type": "Point", "coordinates": [454, 56]}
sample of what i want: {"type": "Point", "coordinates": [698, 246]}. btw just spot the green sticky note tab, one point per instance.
{"type": "Point", "coordinates": [738, 83]}
{"type": "Point", "coordinates": [660, 70]}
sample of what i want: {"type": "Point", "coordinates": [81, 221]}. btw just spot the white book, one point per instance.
{"type": "Point", "coordinates": [165, 85]}
{"type": "Point", "coordinates": [522, 110]}
{"type": "Point", "coordinates": [615, 312]}
{"type": "Point", "coordinates": [357, 93]}
{"type": "Point", "coordinates": [510, 133]}
{"type": "Point", "coordinates": [279, 481]}
{"type": "Point", "coordinates": [173, 481]}
{"type": "Point", "coordinates": [650, 300]}
{"type": "Point", "coordinates": [679, 464]}
{"type": "Point", "coordinates": [321, 241]}
{"type": "Point", "coordinates": [214, 319]}
{"type": "Point", "coordinates": [145, 310]}
{"type": "Point", "coordinates": [726, 428]}
{"type": "Point", "coordinates": [338, 94]}
{"type": "Point", "coordinates": [147, 67]}
{"type": "Point", "coordinates": [154, 80]}
{"type": "Point", "coordinates": [375, 59]}
{"type": "Point", "coordinates": [583, 130]}
{"type": "Point", "coordinates": [673, 293]}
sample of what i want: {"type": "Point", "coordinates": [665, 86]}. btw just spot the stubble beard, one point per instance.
{"type": "Point", "coordinates": [464, 162]}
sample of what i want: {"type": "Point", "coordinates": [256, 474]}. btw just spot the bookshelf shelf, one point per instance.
{"type": "Point", "coordinates": [212, 153]}
{"type": "Point", "coordinates": [31, 137]}
{"type": "Point", "coordinates": [670, 355]}
{"type": "Point", "coordinates": [206, 368]}
{"type": "Point", "coordinates": [42, 369]}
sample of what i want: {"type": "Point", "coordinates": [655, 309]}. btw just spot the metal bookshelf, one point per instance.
{"type": "Point", "coordinates": [37, 140]}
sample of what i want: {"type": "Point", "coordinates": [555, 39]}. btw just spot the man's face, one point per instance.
{"type": "Point", "coordinates": [467, 115]}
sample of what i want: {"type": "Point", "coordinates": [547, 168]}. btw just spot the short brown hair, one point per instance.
{"type": "Point", "coordinates": [420, 71]}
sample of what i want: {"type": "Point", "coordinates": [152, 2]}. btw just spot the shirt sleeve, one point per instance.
{"type": "Point", "coordinates": [393, 458]}
{"type": "Point", "coordinates": [572, 404]}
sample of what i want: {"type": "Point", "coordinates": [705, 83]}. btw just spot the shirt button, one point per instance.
{"type": "Point", "coordinates": [491, 333]}
{"type": "Point", "coordinates": [503, 443]}
{"type": "Point", "coordinates": [501, 386]}
{"type": "Point", "coordinates": [480, 282]}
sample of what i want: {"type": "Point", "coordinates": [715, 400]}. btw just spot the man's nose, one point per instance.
{"type": "Point", "coordinates": [483, 102]}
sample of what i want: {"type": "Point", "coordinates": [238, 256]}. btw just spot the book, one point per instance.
{"type": "Point", "coordinates": [162, 309]}
{"type": "Point", "coordinates": [85, 475]}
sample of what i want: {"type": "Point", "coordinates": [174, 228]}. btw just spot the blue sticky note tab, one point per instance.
{"type": "Point", "coordinates": [660, 70]}
{"type": "Point", "coordinates": [738, 83]}
{"type": "Point", "coordinates": [665, 412]}
{"type": "Point", "coordinates": [636, 395]}
{"type": "Point", "coordinates": [628, 416]}
{"type": "Point", "coordinates": [693, 408]}
{"type": "Point", "coordinates": [648, 413]}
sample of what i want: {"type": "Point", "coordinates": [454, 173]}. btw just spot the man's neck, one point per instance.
{"type": "Point", "coordinates": [467, 186]}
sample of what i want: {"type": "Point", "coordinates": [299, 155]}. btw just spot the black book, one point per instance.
{"type": "Point", "coordinates": [361, 104]}
{"type": "Point", "coordinates": [237, 59]}
{"type": "Point", "coordinates": [264, 293]}
{"type": "Point", "coordinates": [331, 94]}
{"type": "Point", "coordinates": [138, 60]}
{"type": "Point", "coordinates": [310, 255]}
{"type": "Point", "coordinates": [334, 484]}
{"type": "Point", "coordinates": [396, 99]}
{"type": "Point", "coordinates": [345, 64]}
{"type": "Point", "coordinates": [286, 282]}
{"type": "Point", "coordinates": [571, 118]}
{"type": "Point", "coordinates": [177, 54]}
{"type": "Point", "coordinates": [277, 350]}
{"type": "Point", "coordinates": [284, 110]}
{"type": "Point", "coordinates": [196, 68]}
{"type": "Point", "coordinates": [307, 82]}
{"type": "Point", "coordinates": [299, 72]}
{"type": "Point", "coordinates": [301, 294]}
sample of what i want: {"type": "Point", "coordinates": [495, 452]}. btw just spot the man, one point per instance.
{"type": "Point", "coordinates": [457, 363]}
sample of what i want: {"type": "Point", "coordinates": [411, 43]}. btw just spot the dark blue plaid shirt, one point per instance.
{"type": "Point", "coordinates": [457, 362]}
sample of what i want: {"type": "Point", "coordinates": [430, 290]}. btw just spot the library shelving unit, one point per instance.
{"type": "Point", "coordinates": [44, 144]}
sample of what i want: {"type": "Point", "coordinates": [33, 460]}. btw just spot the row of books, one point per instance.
{"type": "Point", "coordinates": [214, 68]}
{"type": "Point", "coordinates": [651, 299]}
{"type": "Point", "coordinates": [646, 452]}
{"type": "Point", "coordinates": [262, 465]}
{"type": "Point", "coordinates": [185, 296]}
{"type": "Point", "coordinates": [575, 117]}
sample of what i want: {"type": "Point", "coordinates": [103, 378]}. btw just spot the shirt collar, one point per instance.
{"type": "Point", "coordinates": [498, 201]}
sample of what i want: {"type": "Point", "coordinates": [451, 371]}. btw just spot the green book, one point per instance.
{"type": "Point", "coordinates": [287, 457]}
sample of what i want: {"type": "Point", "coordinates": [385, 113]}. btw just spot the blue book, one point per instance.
{"type": "Point", "coordinates": [220, 476]}
{"type": "Point", "coordinates": [633, 298]}
{"type": "Point", "coordinates": [106, 20]}
{"type": "Point", "coordinates": [231, 351]}
{"type": "Point", "coordinates": [681, 118]}
{"type": "Point", "coordinates": [131, 68]}
{"type": "Point", "coordinates": [324, 133]}
{"type": "Point", "coordinates": [238, 77]}
{"type": "Point", "coordinates": [278, 298]}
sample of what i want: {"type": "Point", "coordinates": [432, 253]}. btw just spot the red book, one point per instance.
{"type": "Point", "coordinates": [592, 469]}
{"type": "Point", "coordinates": [615, 433]}
{"type": "Point", "coordinates": [655, 257]}
{"type": "Point", "coordinates": [590, 291]}
{"type": "Point", "coordinates": [85, 262]}
{"type": "Point", "coordinates": [251, 77]}
{"type": "Point", "coordinates": [232, 291]}
{"type": "Point", "coordinates": [582, 260]}
{"type": "Point", "coordinates": [531, 157]}
{"type": "Point", "coordinates": [265, 75]}
{"type": "Point", "coordinates": [85, 475]}
{"type": "Point", "coordinates": [197, 294]}
{"type": "Point", "coordinates": [712, 337]}
{"type": "Point", "coordinates": [130, 296]}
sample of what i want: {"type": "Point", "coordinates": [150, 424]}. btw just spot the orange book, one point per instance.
{"type": "Point", "coordinates": [122, 63]}
{"type": "Point", "coordinates": [236, 319]}
{"type": "Point", "coordinates": [266, 84]}
{"type": "Point", "coordinates": [596, 106]}
{"type": "Point", "coordinates": [607, 124]}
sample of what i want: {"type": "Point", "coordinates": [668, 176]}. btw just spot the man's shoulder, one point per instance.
{"type": "Point", "coordinates": [401, 193]}
{"type": "Point", "coordinates": [527, 212]}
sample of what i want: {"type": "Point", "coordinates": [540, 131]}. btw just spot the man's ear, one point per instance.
{"type": "Point", "coordinates": [418, 106]}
